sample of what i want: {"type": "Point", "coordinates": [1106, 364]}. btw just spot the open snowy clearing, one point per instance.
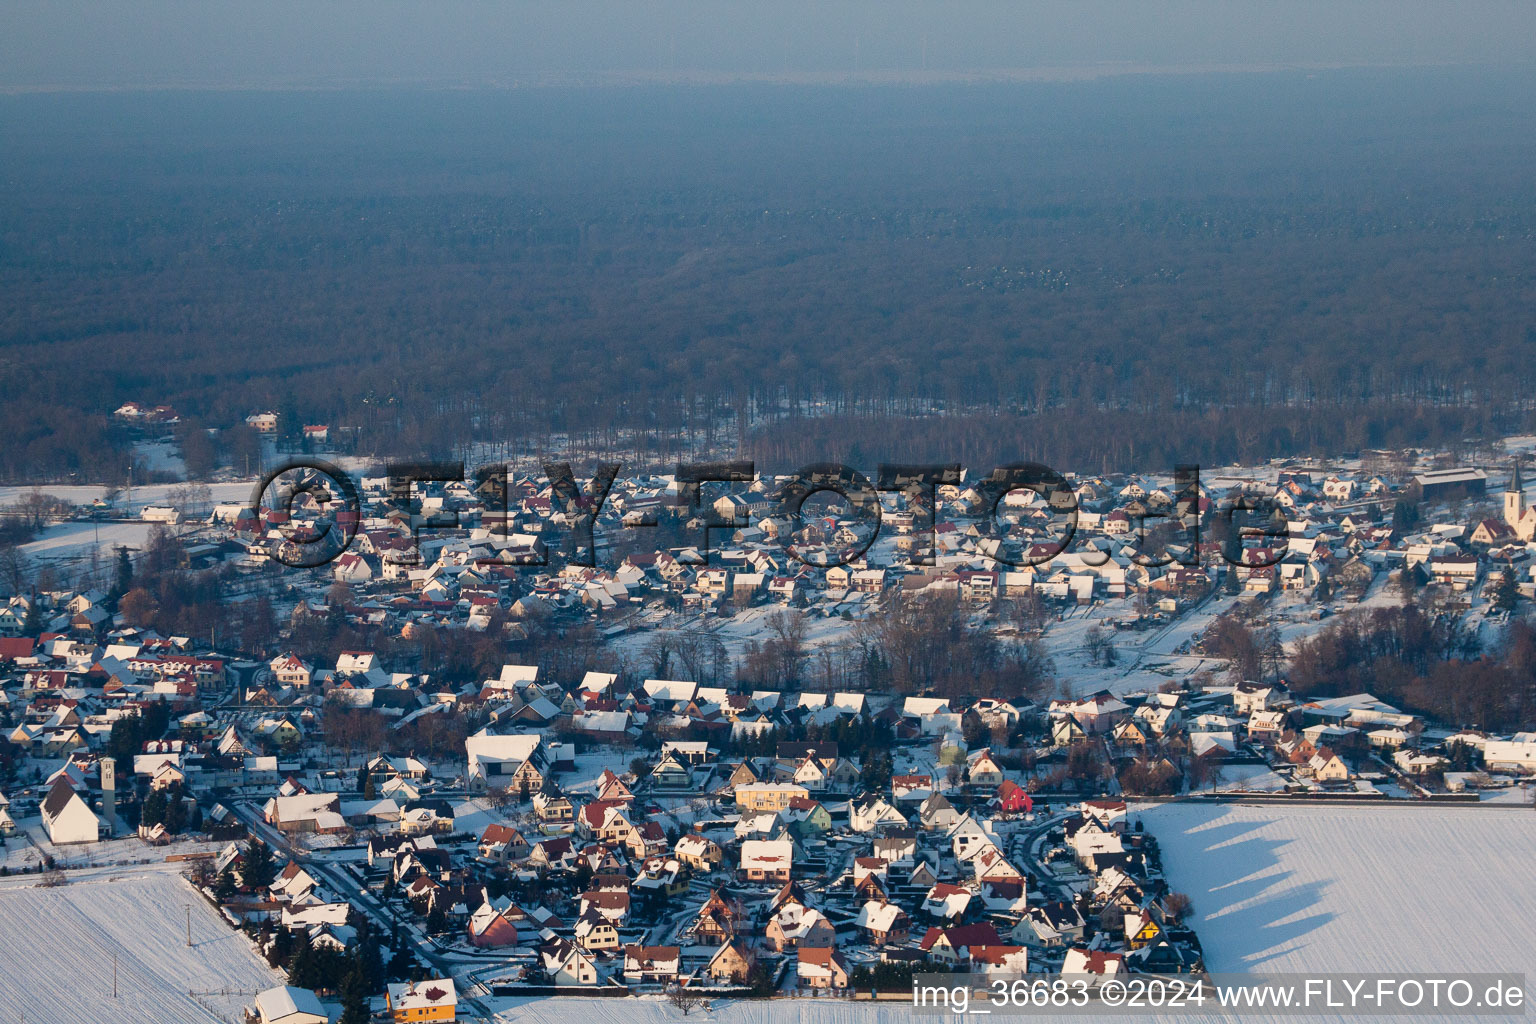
{"type": "Point", "coordinates": [57, 946]}
{"type": "Point", "coordinates": [65, 544]}
{"type": "Point", "coordinates": [1362, 888]}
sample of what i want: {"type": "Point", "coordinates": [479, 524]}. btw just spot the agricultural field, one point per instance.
{"type": "Point", "coordinates": [1362, 888]}
{"type": "Point", "coordinates": [58, 945]}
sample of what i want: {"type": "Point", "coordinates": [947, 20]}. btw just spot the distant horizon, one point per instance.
{"type": "Point", "coordinates": [1064, 74]}
{"type": "Point", "coordinates": [285, 44]}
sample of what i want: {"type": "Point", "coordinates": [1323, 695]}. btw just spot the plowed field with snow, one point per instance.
{"type": "Point", "coordinates": [56, 949]}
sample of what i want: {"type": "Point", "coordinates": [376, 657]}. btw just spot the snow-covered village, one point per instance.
{"type": "Point", "coordinates": [427, 781]}
{"type": "Point", "coordinates": [767, 513]}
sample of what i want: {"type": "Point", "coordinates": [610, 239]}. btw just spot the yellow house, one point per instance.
{"type": "Point", "coordinates": [279, 730]}
{"type": "Point", "coordinates": [595, 933]}
{"type": "Point", "coordinates": [768, 796]}
{"type": "Point", "coordinates": [1141, 930]}
{"type": "Point", "coordinates": [698, 852]}
{"type": "Point", "coordinates": [433, 999]}
{"type": "Point", "coordinates": [1129, 734]}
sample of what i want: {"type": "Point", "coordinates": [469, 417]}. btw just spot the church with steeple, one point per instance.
{"type": "Point", "coordinates": [1520, 517]}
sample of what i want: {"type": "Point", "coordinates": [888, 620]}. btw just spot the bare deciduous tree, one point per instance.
{"type": "Point", "coordinates": [684, 999]}
{"type": "Point", "coordinates": [1178, 905]}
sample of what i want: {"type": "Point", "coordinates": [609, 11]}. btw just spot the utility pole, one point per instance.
{"type": "Point", "coordinates": [189, 926]}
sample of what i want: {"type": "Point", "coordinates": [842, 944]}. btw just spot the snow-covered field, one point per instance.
{"type": "Point", "coordinates": [1363, 888]}
{"type": "Point", "coordinates": [73, 542]}
{"type": "Point", "coordinates": [658, 1011]}
{"type": "Point", "coordinates": [68, 546]}
{"type": "Point", "coordinates": [148, 494]}
{"type": "Point", "coordinates": [161, 456]}
{"type": "Point", "coordinates": [56, 949]}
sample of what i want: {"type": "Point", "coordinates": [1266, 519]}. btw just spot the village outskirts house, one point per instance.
{"type": "Point", "coordinates": [730, 965]}
{"type": "Point", "coordinates": [431, 1000]}
{"type": "Point", "coordinates": [821, 968]}
{"type": "Point", "coordinates": [288, 1005]}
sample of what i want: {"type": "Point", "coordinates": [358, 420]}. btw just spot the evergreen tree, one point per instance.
{"type": "Point", "coordinates": [175, 811]}
{"type": "Point", "coordinates": [354, 1002]}
{"type": "Point", "coordinates": [281, 948]}
{"type": "Point", "coordinates": [437, 921]}
{"type": "Point", "coordinates": [257, 868]}
{"type": "Point", "coordinates": [124, 579]}
{"type": "Point", "coordinates": [225, 887]}
{"type": "Point", "coordinates": [154, 809]}
{"type": "Point", "coordinates": [363, 963]}
{"type": "Point", "coordinates": [302, 966]}
{"type": "Point", "coordinates": [1505, 591]}
{"type": "Point", "coordinates": [32, 625]}
{"type": "Point", "coordinates": [370, 961]}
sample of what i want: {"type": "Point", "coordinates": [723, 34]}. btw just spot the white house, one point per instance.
{"type": "Point", "coordinates": [1095, 966]}
{"type": "Point", "coordinates": [68, 817]}
{"type": "Point", "coordinates": [1510, 755]}
{"type": "Point", "coordinates": [351, 568]}
{"type": "Point", "coordinates": [568, 964]}
{"type": "Point", "coordinates": [766, 860]}
{"type": "Point", "coordinates": [288, 1005]}
{"type": "Point", "coordinates": [505, 760]}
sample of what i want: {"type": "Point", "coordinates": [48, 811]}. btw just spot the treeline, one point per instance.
{"type": "Point", "coordinates": [1093, 439]}
{"type": "Point", "coordinates": [1422, 662]}
{"type": "Point", "coordinates": [817, 271]}
{"type": "Point", "coordinates": [925, 644]}
{"type": "Point", "coordinates": [160, 591]}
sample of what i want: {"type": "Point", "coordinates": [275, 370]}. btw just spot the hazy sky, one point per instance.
{"type": "Point", "coordinates": [106, 43]}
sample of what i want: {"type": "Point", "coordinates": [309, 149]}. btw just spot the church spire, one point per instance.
{"type": "Point", "coordinates": [1515, 512]}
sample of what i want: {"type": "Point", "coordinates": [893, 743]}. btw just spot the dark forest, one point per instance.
{"type": "Point", "coordinates": [1099, 275]}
